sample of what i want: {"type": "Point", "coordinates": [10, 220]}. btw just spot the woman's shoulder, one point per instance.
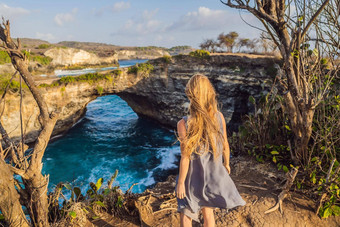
{"type": "Point", "coordinates": [181, 129]}
{"type": "Point", "coordinates": [181, 123]}
{"type": "Point", "coordinates": [221, 117]}
{"type": "Point", "coordinates": [219, 113]}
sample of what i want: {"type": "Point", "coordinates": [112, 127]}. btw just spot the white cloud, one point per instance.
{"type": "Point", "coordinates": [98, 12]}
{"type": "Point", "coordinates": [120, 6]}
{"type": "Point", "coordinates": [62, 18]}
{"type": "Point", "coordinates": [115, 8]}
{"type": "Point", "coordinates": [205, 18]}
{"type": "Point", "coordinates": [45, 36]}
{"type": "Point", "coordinates": [148, 15]}
{"type": "Point", "coordinates": [141, 25]}
{"type": "Point", "coordinates": [12, 12]}
{"type": "Point", "coordinates": [187, 29]}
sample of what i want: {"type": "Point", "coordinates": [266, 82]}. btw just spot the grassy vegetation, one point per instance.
{"type": "Point", "coordinates": [117, 72]}
{"type": "Point", "coordinates": [89, 77]}
{"type": "Point", "coordinates": [84, 66]}
{"type": "Point", "coordinates": [44, 46]}
{"type": "Point", "coordinates": [43, 60]}
{"type": "Point", "coordinates": [149, 48]}
{"type": "Point", "coordinates": [4, 57]}
{"type": "Point", "coordinates": [100, 90]}
{"type": "Point", "coordinates": [166, 59]}
{"type": "Point", "coordinates": [62, 47]}
{"type": "Point", "coordinates": [14, 86]}
{"type": "Point", "coordinates": [264, 135]}
{"type": "Point", "coordinates": [178, 48]}
{"type": "Point", "coordinates": [75, 67]}
{"type": "Point", "coordinates": [99, 200]}
{"type": "Point", "coordinates": [143, 69]}
{"type": "Point", "coordinates": [200, 54]}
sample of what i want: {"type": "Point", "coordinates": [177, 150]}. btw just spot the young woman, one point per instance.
{"type": "Point", "coordinates": [203, 182]}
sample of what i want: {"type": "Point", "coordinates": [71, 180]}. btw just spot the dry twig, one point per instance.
{"type": "Point", "coordinates": [290, 179]}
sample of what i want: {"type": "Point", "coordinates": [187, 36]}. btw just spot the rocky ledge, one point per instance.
{"type": "Point", "coordinates": [259, 185]}
{"type": "Point", "coordinates": [159, 95]}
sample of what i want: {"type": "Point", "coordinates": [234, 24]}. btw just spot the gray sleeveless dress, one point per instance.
{"type": "Point", "coordinates": [208, 184]}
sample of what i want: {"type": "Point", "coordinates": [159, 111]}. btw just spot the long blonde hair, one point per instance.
{"type": "Point", "coordinates": [204, 128]}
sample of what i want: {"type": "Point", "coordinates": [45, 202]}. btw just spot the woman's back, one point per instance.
{"type": "Point", "coordinates": [203, 181]}
{"type": "Point", "coordinates": [208, 183]}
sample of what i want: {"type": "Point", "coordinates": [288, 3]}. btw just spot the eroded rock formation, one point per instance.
{"type": "Point", "coordinates": [159, 96]}
{"type": "Point", "coordinates": [235, 77]}
{"type": "Point", "coordinates": [140, 54]}
{"type": "Point", "coordinates": [71, 56]}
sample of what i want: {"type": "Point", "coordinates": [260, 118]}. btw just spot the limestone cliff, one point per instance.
{"type": "Point", "coordinates": [71, 56]}
{"type": "Point", "coordinates": [235, 77]}
{"type": "Point", "coordinates": [70, 99]}
{"type": "Point", "coordinates": [159, 96]}
{"type": "Point", "coordinates": [141, 54]}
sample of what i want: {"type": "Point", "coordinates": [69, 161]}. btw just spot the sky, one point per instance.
{"type": "Point", "coordinates": [126, 22]}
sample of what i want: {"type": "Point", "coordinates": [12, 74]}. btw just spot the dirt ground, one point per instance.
{"type": "Point", "coordinates": [259, 185]}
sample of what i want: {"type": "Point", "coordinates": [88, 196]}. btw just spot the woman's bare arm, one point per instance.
{"type": "Point", "coordinates": [184, 163]}
{"type": "Point", "coordinates": [226, 152]}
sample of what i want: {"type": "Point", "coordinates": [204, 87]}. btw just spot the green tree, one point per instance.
{"type": "Point", "coordinates": [304, 79]}
{"type": "Point", "coordinates": [209, 45]}
{"type": "Point", "coordinates": [228, 40]}
{"type": "Point", "coordinates": [242, 43]}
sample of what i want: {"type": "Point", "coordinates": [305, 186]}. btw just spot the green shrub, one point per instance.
{"type": "Point", "coordinates": [179, 48]}
{"type": "Point", "coordinates": [54, 84]}
{"type": "Point", "coordinates": [100, 90]}
{"type": "Point", "coordinates": [4, 57]}
{"type": "Point", "coordinates": [109, 78]}
{"type": "Point", "coordinates": [166, 59]}
{"type": "Point", "coordinates": [133, 70]}
{"type": "Point", "coordinates": [117, 72]}
{"type": "Point", "coordinates": [266, 135]}
{"type": "Point", "coordinates": [43, 60]}
{"type": "Point", "coordinates": [14, 86]}
{"type": "Point", "coordinates": [44, 46]}
{"type": "Point", "coordinates": [26, 53]}
{"type": "Point", "coordinates": [143, 69]}
{"type": "Point", "coordinates": [44, 85]}
{"type": "Point", "coordinates": [200, 54]}
{"type": "Point", "coordinates": [67, 79]}
{"type": "Point", "coordinates": [97, 198]}
{"type": "Point", "coordinates": [89, 78]}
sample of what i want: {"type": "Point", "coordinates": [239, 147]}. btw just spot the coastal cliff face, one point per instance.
{"type": "Point", "coordinates": [140, 54]}
{"type": "Point", "coordinates": [68, 99]}
{"type": "Point", "coordinates": [71, 56]}
{"type": "Point", "coordinates": [159, 95]}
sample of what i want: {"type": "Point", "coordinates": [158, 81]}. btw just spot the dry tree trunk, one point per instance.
{"type": "Point", "coordinates": [28, 166]}
{"type": "Point", "coordinates": [9, 198]}
{"type": "Point", "coordinates": [295, 85]}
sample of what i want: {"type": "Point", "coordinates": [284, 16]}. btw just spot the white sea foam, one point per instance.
{"type": "Point", "coordinates": [168, 157]}
{"type": "Point", "coordinates": [149, 180]}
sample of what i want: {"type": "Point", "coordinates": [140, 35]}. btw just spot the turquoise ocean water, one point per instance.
{"type": "Point", "coordinates": [109, 137]}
